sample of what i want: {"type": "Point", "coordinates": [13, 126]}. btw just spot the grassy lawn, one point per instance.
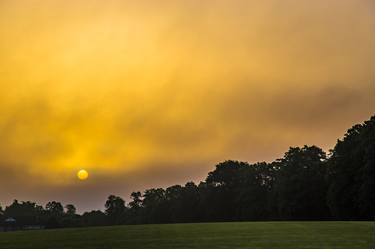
{"type": "Point", "coordinates": [265, 235]}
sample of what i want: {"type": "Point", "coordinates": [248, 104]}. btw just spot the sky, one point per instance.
{"type": "Point", "coordinates": [148, 94]}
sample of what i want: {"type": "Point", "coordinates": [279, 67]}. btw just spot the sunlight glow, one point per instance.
{"type": "Point", "coordinates": [82, 174]}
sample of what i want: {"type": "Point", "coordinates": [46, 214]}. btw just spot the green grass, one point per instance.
{"type": "Point", "coordinates": [265, 235]}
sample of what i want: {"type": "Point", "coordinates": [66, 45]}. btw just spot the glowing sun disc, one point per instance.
{"type": "Point", "coordinates": [82, 174]}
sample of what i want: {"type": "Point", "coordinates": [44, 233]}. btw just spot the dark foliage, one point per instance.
{"type": "Point", "coordinates": [303, 185]}
{"type": "Point", "coordinates": [351, 174]}
{"type": "Point", "coordinates": [300, 187]}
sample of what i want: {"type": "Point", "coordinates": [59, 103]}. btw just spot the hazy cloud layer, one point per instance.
{"type": "Point", "coordinates": [150, 93]}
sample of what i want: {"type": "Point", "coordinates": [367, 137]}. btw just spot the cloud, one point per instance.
{"type": "Point", "coordinates": [158, 93]}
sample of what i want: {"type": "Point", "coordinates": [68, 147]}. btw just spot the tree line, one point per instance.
{"type": "Point", "coordinates": [306, 184]}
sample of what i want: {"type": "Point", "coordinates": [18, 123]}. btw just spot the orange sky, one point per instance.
{"type": "Point", "coordinates": [153, 93]}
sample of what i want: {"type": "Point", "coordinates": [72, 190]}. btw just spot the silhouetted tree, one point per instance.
{"type": "Point", "coordinates": [304, 184]}
{"type": "Point", "coordinates": [70, 209]}
{"type": "Point", "coordinates": [134, 214]}
{"type": "Point", "coordinates": [94, 218]}
{"type": "Point", "coordinates": [351, 193]}
{"type": "Point", "coordinates": [115, 209]}
{"type": "Point", "coordinates": [1, 213]}
{"type": "Point", "coordinates": [155, 206]}
{"type": "Point", "coordinates": [366, 197]}
{"type": "Point", "coordinates": [254, 199]}
{"type": "Point", "coordinates": [70, 218]}
{"type": "Point", "coordinates": [55, 208]}
{"type": "Point", "coordinates": [300, 186]}
{"type": "Point", "coordinates": [220, 191]}
{"type": "Point", "coordinates": [238, 191]}
{"type": "Point", "coordinates": [191, 208]}
{"type": "Point", "coordinates": [173, 199]}
{"type": "Point", "coordinates": [25, 212]}
{"type": "Point", "coordinates": [54, 212]}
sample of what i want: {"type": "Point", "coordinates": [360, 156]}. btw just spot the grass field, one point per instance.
{"type": "Point", "coordinates": [265, 235]}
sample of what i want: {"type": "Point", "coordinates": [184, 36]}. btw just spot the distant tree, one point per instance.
{"type": "Point", "coordinates": [238, 191]}
{"type": "Point", "coordinates": [366, 197]}
{"type": "Point", "coordinates": [173, 199]}
{"type": "Point", "coordinates": [304, 184]}
{"type": "Point", "coordinates": [94, 218]}
{"type": "Point", "coordinates": [115, 209]}
{"type": "Point", "coordinates": [70, 210]}
{"type": "Point", "coordinates": [155, 206]}
{"type": "Point", "coordinates": [54, 212]}
{"type": "Point", "coordinates": [254, 197]}
{"type": "Point", "coordinates": [1, 215]}
{"type": "Point", "coordinates": [55, 209]}
{"type": "Point", "coordinates": [191, 205]}
{"type": "Point", "coordinates": [351, 193]}
{"type": "Point", "coordinates": [25, 212]}
{"type": "Point", "coordinates": [136, 202]}
{"type": "Point", "coordinates": [300, 185]}
{"type": "Point", "coordinates": [220, 190]}
{"type": "Point", "coordinates": [70, 218]}
{"type": "Point", "coordinates": [178, 203]}
{"type": "Point", "coordinates": [343, 175]}
{"type": "Point", "coordinates": [135, 212]}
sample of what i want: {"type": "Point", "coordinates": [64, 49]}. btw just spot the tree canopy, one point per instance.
{"type": "Point", "coordinates": [305, 184]}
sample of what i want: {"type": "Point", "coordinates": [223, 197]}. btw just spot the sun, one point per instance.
{"type": "Point", "coordinates": [82, 174]}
